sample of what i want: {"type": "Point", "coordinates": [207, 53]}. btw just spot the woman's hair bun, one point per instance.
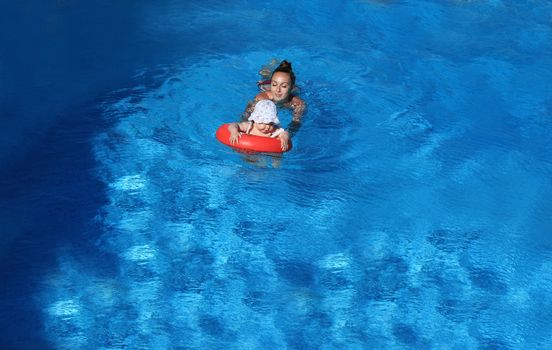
{"type": "Point", "coordinates": [285, 64]}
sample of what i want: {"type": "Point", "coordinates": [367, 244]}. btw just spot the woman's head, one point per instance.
{"type": "Point", "coordinates": [282, 82]}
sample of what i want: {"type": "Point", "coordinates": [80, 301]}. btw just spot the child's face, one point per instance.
{"type": "Point", "coordinates": [265, 128]}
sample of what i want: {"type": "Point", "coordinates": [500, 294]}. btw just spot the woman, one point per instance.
{"type": "Point", "coordinates": [282, 83]}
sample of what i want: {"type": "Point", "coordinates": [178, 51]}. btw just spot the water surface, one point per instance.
{"type": "Point", "coordinates": [411, 213]}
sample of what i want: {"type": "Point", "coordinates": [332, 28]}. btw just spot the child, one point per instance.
{"type": "Point", "coordinates": [263, 121]}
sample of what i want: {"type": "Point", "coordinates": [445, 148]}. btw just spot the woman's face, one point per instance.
{"type": "Point", "coordinates": [280, 86]}
{"type": "Point", "coordinates": [265, 128]}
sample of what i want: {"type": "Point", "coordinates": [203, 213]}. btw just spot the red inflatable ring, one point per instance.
{"type": "Point", "coordinates": [251, 142]}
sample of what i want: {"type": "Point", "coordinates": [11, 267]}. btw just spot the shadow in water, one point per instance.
{"type": "Point", "coordinates": [48, 203]}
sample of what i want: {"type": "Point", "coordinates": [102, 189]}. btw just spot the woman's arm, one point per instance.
{"type": "Point", "coordinates": [298, 107]}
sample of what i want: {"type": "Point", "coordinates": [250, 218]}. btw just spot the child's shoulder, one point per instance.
{"type": "Point", "coordinates": [245, 123]}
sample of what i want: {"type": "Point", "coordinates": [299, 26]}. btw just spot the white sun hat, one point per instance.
{"type": "Point", "coordinates": [265, 112]}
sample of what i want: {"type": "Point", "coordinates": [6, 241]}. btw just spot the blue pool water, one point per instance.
{"type": "Point", "coordinates": [413, 211]}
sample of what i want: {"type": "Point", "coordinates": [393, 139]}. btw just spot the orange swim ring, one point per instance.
{"type": "Point", "coordinates": [251, 143]}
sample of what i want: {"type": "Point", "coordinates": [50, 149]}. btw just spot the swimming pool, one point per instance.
{"type": "Point", "coordinates": [413, 211]}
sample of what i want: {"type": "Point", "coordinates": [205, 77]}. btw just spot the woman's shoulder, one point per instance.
{"type": "Point", "coordinates": [265, 95]}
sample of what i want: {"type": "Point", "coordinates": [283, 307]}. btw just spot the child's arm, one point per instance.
{"type": "Point", "coordinates": [284, 140]}
{"type": "Point", "coordinates": [236, 129]}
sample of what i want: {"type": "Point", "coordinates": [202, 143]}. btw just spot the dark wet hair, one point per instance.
{"type": "Point", "coordinates": [285, 67]}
